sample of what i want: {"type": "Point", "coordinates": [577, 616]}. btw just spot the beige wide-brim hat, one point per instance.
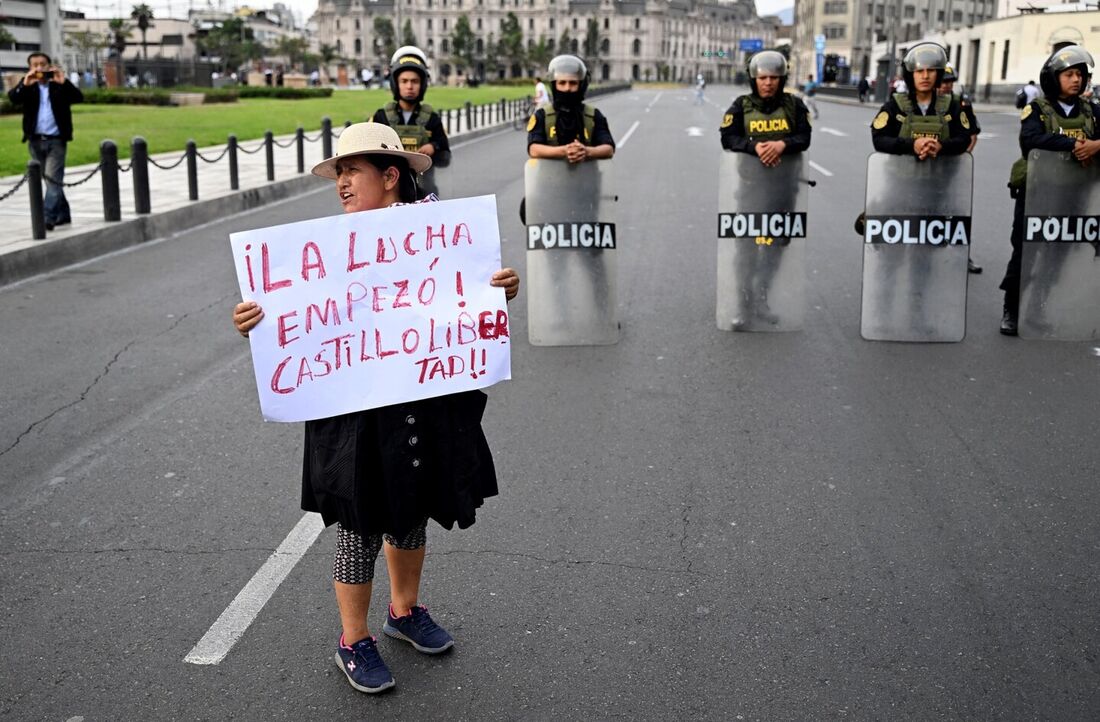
{"type": "Point", "coordinates": [370, 139]}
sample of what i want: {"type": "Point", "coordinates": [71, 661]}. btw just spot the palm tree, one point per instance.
{"type": "Point", "coordinates": [143, 14]}
{"type": "Point", "coordinates": [120, 31]}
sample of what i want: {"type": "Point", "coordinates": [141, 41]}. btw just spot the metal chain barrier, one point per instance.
{"type": "Point", "coordinates": [153, 161]}
{"type": "Point", "coordinates": [14, 188]}
{"type": "Point", "coordinates": [257, 149]}
{"type": "Point", "coordinates": [221, 155]}
{"type": "Point", "coordinates": [288, 143]}
{"type": "Point", "coordinates": [125, 169]}
{"type": "Point", "coordinates": [85, 179]}
{"type": "Point", "coordinates": [307, 139]}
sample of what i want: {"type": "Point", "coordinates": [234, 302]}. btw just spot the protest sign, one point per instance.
{"type": "Point", "coordinates": [368, 309]}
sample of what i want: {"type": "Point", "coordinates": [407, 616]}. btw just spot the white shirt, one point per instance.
{"type": "Point", "coordinates": [47, 124]}
{"type": "Point", "coordinates": [540, 94]}
{"type": "Point", "coordinates": [1031, 92]}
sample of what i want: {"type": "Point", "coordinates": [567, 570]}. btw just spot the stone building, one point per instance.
{"type": "Point", "coordinates": [635, 39]}
{"type": "Point", "coordinates": [35, 25]}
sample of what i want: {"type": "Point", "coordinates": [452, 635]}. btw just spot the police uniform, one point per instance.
{"type": "Point", "coordinates": [1044, 125]}
{"type": "Point", "coordinates": [900, 121]}
{"type": "Point", "coordinates": [751, 120]}
{"type": "Point", "coordinates": [422, 125]}
{"type": "Point", "coordinates": [563, 128]}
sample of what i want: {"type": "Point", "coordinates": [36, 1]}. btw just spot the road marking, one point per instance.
{"type": "Point", "coordinates": [986, 136]}
{"type": "Point", "coordinates": [694, 132]}
{"type": "Point", "coordinates": [834, 131]}
{"type": "Point", "coordinates": [237, 617]}
{"type": "Point", "coordinates": [654, 101]}
{"type": "Point", "coordinates": [823, 171]}
{"type": "Point", "coordinates": [626, 137]}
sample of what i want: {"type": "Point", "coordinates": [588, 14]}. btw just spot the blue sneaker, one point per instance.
{"type": "Point", "coordinates": [363, 666]}
{"type": "Point", "coordinates": [418, 629]}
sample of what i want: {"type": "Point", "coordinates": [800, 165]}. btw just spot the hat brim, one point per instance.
{"type": "Point", "coordinates": [417, 161]}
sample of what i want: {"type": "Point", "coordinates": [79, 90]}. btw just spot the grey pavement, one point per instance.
{"type": "Point", "coordinates": [692, 524]}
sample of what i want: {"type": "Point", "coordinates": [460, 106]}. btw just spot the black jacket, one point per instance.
{"type": "Point", "coordinates": [886, 138]}
{"type": "Point", "coordinates": [62, 97]}
{"type": "Point", "coordinates": [733, 127]}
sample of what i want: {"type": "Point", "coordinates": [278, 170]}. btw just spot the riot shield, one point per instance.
{"type": "Point", "coordinates": [761, 233]}
{"type": "Point", "coordinates": [916, 244]}
{"type": "Point", "coordinates": [571, 242]}
{"type": "Point", "coordinates": [1060, 263]}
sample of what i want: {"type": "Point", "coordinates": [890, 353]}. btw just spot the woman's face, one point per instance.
{"type": "Point", "coordinates": [924, 79]}
{"type": "Point", "coordinates": [362, 187]}
{"type": "Point", "coordinates": [1070, 82]}
{"type": "Point", "coordinates": [767, 85]}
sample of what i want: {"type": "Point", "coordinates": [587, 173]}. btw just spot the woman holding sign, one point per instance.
{"type": "Point", "coordinates": [380, 474]}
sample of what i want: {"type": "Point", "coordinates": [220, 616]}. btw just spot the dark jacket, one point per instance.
{"type": "Point", "coordinates": [384, 470]}
{"type": "Point", "coordinates": [735, 137]}
{"type": "Point", "coordinates": [885, 135]}
{"type": "Point", "coordinates": [62, 97]}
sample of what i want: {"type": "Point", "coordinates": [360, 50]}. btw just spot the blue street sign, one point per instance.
{"type": "Point", "coordinates": [751, 45]}
{"type": "Point", "coordinates": [819, 43]}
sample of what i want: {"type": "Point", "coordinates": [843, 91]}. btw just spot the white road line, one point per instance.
{"type": "Point", "coordinates": [654, 101]}
{"type": "Point", "coordinates": [626, 137]}
{"type": "Point", "coordinates": [823, 171]}
{"type": "Point", "coordinates": [237, 617]}
{"type": "Point", "coordinates": [834, 131]}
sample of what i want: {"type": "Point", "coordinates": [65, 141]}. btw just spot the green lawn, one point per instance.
{"type": "Point", "coordinates": [168, 129]}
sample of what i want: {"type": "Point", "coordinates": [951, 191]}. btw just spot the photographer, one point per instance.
{"type": "Point", "coordinates": [47, 96]}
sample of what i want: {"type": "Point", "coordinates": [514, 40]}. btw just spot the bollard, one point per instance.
{"type": "Point", "coordinates": [269, 153]}
{"type": "Point", "coordinates": [502, 111]}
{"type": "Point", "coordinates": [447, 120]}
{"type": "Point", "coordinates": [326, 137]}
{"type": "Point", "coordinates": [481, 122]}
{"type": "Point", "coordinates": [300, 140]}
{"type": "Point", "coordinates": [139, 166]}
{"type": "Point", "coordinates": [192, 171]}
{"type": "Point", "coordinates": [469, 116]}
{"type": "Point", "coordinates": [234, 176]}
{"type": "Point", "coordinates": [108, 170]}
{"type": "Point", "coordinates": [38, 207]}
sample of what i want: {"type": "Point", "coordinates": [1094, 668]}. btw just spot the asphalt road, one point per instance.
{"type": "Point", "coordinates": [692, 523]}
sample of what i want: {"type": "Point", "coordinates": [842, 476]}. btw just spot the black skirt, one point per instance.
{"type": "Point", "coordinates": [383, 470]}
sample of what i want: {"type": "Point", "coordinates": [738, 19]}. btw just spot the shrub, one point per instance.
{"type": "Point", "coordinates": [284, 93]}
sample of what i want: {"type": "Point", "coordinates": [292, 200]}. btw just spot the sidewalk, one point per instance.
{"type": "Point", "coordinates": [89, 235]}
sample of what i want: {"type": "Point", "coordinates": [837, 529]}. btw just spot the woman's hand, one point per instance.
{"type": "Point", "coordinates": [505, 278]}
{"type": "Point", "coordinates": [247, 314]}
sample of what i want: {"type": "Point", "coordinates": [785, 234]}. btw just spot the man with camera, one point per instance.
{"type": "Point", "coordinates": [47, 96]}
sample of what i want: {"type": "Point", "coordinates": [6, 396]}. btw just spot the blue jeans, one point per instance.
{"type": "Point", "coordinates": [51, 154]}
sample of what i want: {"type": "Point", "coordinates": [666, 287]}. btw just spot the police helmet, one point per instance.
{"type": "Point", "coordinates": [924, 56]}
{"type": "Point", "coordinates": [949, 74]}
{"type": "Point", "coordinates": [409, 57]}
{"type": "Point", "coordinates": [1071, 56]}
{"type": "Point", "coordinates": [767, 62]}
{"type": "Point", "coordinates": [568, 65]}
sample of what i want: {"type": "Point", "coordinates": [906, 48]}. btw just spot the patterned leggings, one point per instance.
{"type": "Point", "coordinates": [355, 555]}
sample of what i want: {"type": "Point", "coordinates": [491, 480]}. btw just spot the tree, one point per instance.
{"type": "Point", "coordinates": [120, 32]}
{"type": "Point", "coordinates": [7, 40]}
{"type": "Point", "coordinates": [87, 44]}
{"type": "Point", "coordinates": [592, 40]}
{"type": "Point", "coordinates": [232, 42]}
{"type": "Point", "coordinates": [143, 14]}
{"type": "Point", "coordinates": [565, 42]}
{"type": "Point", "coordinates": [510, 47]}
{"type": "Point", "coordinates": [539, 56]}
{"type": "Point", "coordinates": [463, 42]}
{"type": "Point", "coordinates": [384, 38]}
{"type": "Point", "coordinates": [329, 53]}
{"type": "Point", "coordinates": [408, 37]}
{"type": "Point", "coordinates": [293, 48]}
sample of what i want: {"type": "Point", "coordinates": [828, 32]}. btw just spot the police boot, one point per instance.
{"type": "Point", "coordinates": [972, 267]}
{"type": "Point", "coordinates": [1008, 322]}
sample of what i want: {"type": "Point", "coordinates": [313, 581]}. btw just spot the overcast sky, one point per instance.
{"type": "Point", "coordinates": [305, 8]}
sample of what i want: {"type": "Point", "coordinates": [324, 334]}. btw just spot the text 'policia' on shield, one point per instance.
{"type": "Point", "coordinates": [927, 230]}
{"type": "Point", "coordinates": [1066, 229]}
{"type": "Point", "coordinates": [751, 225]}
{"type": "Point", "coordinates": [546, 236]}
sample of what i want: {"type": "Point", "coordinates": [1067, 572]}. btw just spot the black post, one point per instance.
{"type": "Point", "coordinates": [300, 140]}
{"type": "Point", "coordinates": [38, 207]}
{"type": "Point", "coordinates": [139, 166]}
{"type": "Point", "coordinates": [326, 137]}
{"type": "Point", "coordinates": [469, 116]}
{"type": "Point", "coordinates": [447, 120]}
{"type": "Point", "coordinates": [234, 176]}
{"type": "Point", "coordinates": [192, 171]}
{"type": "Point", "coordinates": [108, 169]}
{"type": "Point", "coordinates": [481, 122]}
{"type": "Point", "coordinates": [502, 111]}
{"type": "Point", "coordinates": [269, 152]}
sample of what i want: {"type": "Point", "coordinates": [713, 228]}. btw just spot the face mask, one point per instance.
{"type": "Point", "coordinates": [567, 101]}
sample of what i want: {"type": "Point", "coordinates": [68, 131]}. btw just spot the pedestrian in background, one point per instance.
{"type": "Point", "coordinates": [700, 88]}
{"type": "Point", "coordinates": [863, 88]}
{"type": "Point", "coordinates": [541, 96]}
{"type": "Point", "coordinates": [380, 474]}
{"type": "Point", "coordinates": [47, 97]}
{"type": "Point", "coordinates": [809, 90]}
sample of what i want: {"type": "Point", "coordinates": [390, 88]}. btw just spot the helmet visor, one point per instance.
{"type": "Point", "coordinates": [1068, 57]}
{"type": "Point", "coordinates": [768, 63]}
{"type": "Point", "coordinates": [926, 56]}
{"type": "Point", "coordinates": [567, 66]}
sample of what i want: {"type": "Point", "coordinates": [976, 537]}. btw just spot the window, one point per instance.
{"type": "Point", "coordinates": [479, 23]}
{"type": "Point", "coordinates": [909, 13]}
{"type": "Point", "coordinates": [480, 45]}
{"type": "Point", "coordinates": [574, 23]}
{"type": "Point", "coordinates": [337, 23]}
{"type": "Point", "coordinates": [836, 7]}
{"type": "Point", "coordinates": [606, 23]}
{"type": "Point", "coordinates": [444, 23]}
{"type": "Point", "coordinates": [358, 46]}
{"type": "Point", "coordinates": [1004, 62]}
{"type": "Point", "coordinates": [530, 23]}
{"type": "Point", "coordinates": [637, 23]}
{"type": "Point", "coordinates": [605, 46]}
{"type": "Point", "coordinates": [551, 23]}
{"type": "Point", "coordinates": [171, 40]}
{"type": "Point", "coordinates": [357, 23]}
{"type": "Point", "coordinates": [636, 46]}
{"type": "Point", "coordinates": [429, 23]}
{"type": "Point", "coordinates": [835, 32]}
{"type": "Point", "coordinates": [957, 17]}
{"type": "Point", "coordinates": [444, 45]}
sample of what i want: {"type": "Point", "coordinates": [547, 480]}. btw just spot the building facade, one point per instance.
{"type": "Point", "coordinates": [635, 39]}
{"type": "Point", "coordinates": [853, 28]}
{"type": "Point", "coordinates": [35, 25]}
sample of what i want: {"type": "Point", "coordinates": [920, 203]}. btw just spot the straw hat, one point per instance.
{"type": "Point", "coordinates": [370, 139]}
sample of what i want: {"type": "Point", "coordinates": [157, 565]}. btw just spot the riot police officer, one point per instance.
{"type": "Point", "coordinates": [918, 122]}
{"type": "Point", "coordinates": [1061, 119]}
{"type": "Point", "coordinates": [417, 124]}
{"type": "Point", "coordinates": [969, 122]}
{"type": "Point", "coordinates": [766, 123]}
{"type": "Point", "coordinates": [569, 129]}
